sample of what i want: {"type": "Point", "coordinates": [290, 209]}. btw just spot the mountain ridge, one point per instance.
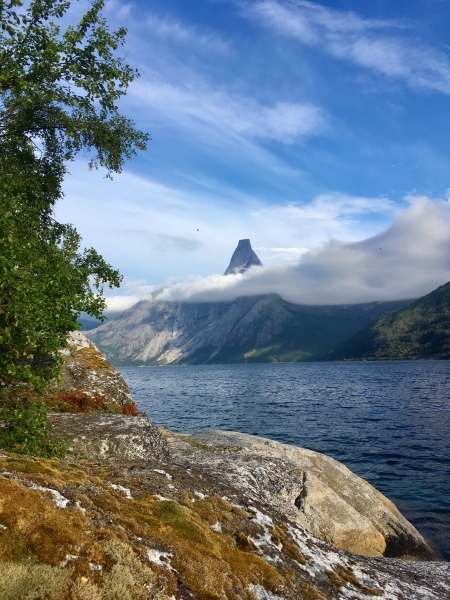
{"type": "Point", "coordinates": [419, 330]}
{"type": "Point", "coordinates": [264, 328]}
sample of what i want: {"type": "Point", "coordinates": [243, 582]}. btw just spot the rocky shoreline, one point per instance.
{"type": "Point", "coordinates": [138, 512]}
{"type": "Point", "coordinates": [309, 527]}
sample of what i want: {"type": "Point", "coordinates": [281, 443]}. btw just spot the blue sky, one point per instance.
{"type": "Point", "coordinates": [297, 124]}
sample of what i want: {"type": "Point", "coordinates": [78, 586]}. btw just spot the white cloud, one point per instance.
{"type": "Point", "coordinates": [190, 104]}
{"type": "Point", "coordinates": [181, 33]}
{"type": "Point", "coordinates": [409, 259]}
{"type": "Point", "coordinates": [165, 243]}
{"type": "Point", "coordinates": [280, 255]}
{"type": "Point", "coordinates": [369, 43]}
{"type": "Point", "coordinates": [117, 304]}
{"type": "Point", "coordinates": [331, 207]}
{"type": "Point", "coordinates": [155, 231]}
{"type": "Point", "coordinates": [328, 215]}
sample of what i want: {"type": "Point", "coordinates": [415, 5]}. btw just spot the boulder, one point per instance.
{"type": "Point", "coordinates": [101, 436]}
{"type": "Point", "coordinates": [85, 368]}
{"type": "Point", "coordinates": [314, 490]}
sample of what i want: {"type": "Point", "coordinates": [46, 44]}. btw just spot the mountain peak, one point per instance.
{"type": "Point", "coordinates": [243, 258]}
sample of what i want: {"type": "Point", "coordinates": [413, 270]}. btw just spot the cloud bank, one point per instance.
{"type": "Point", "coordinates": [407, 260]}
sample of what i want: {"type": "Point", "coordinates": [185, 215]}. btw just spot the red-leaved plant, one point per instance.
{"type": "Point", "coordinates": [80, 402]}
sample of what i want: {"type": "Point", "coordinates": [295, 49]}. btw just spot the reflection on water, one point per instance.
{"type": "Point", "coordinates": [389, 422]}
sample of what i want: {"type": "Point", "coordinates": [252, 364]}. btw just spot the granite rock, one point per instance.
{"type": "Point", "coordinates": [85, 368]}
{"type": "Point", "coordinates": [303, 513]}
{"type": "Point", "coordinates": [102, 436]}
{"type": "Point", "coordinates": [243, 258]}
{"type": "Point", "coordinates": [312, 489]}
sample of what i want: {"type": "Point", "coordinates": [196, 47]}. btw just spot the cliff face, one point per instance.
{"type": "Point", "coordinates": [243, 258]}
{"type": "Point", "coordinates": [249, 329]}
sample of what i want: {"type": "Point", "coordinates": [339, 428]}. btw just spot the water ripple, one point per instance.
{"type": "Point", "coordinates": [389, 422]}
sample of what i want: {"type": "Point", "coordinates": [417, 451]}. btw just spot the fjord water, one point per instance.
{"type": "Point", "coordinates": [389, 422]}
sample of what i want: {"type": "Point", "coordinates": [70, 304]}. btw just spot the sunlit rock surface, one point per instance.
{"type": "Point", "coordinates": [312, 489]}
{"type": "Point", "coordinates": [309, 488]}
{"type": "Point", "coordinates": [185, 524]}
{"type": "Point", "coordinates": [243, 258]}
{"type": "Point", "coordinates": [85, 368]}
{"type": "Point", "coordinates": [108, 436]}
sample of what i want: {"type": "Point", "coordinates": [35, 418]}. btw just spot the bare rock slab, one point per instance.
{"type": "Point", "coordinates": [314, 490]}
{"type": "Point", "coordinates": [108, 436]}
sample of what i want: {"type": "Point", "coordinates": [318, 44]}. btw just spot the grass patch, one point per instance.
{"type": "Point", "coordinates": [341, 575]}
{"type": "Point", "coordinates": [114, 533]}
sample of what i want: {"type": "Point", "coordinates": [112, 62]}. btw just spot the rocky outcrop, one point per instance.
{"type": "Point", "coordinates": [151, 514]}
{"type": "Point", "coordinates": [85, 368]}
{"type": "Point", "coordinates": [107, 436]}
{"type": "Point", "coordinates": [313, 490]}
{"type": "Point", "coordinates": [98, 530]}
{"type": "Point", "coordinates": [243, 258]}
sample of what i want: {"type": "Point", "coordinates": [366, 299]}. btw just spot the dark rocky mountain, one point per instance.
{"type": "Point", "coordinates": [420, 330]}
{"type": "Point", "coordinates": [243, 258]}
{"type": "Point", "coordinates": [249, 329]}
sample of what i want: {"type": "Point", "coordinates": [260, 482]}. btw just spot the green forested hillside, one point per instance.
{"type": "Point", "coordinates": [420, 330]}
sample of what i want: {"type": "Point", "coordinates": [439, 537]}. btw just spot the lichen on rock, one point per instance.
{"type": "Point", "coordinates": [314, 490]}
{"type": "Point", "coordinates": [103, 436]}
{"type": "Point", "coordinates": [85, 368]}
{"type": "Point", "coordinates": [157, 542]}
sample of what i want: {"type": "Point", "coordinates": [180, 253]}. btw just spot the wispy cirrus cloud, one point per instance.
{"type": "Point", "coordinates": [179, 32]}
{"type": "Point", "coordinates": [329, 207]}
{"type": "Point", "coordinates": [165, 243]}
{"type": "Point", "coordinates": [201, 97]}
{"type": "Point", "coordinates": [192, 103]}
{"type": "Point", "coordinates": [178, 242]}
{"type": "Point", "coordinates": [379, 45]}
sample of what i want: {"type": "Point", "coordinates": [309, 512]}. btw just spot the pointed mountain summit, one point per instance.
{"type": "Point", "coordinates": [243, 258]}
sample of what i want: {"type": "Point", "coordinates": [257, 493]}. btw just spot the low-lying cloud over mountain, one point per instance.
{"type": "Point", "coordinates": [407, 260]}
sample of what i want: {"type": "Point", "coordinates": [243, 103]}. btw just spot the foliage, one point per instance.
{"type": "Point", "coordinates": [44, 285]}
{"type": "Point", "coordinates": [58, 95]}
{"type": "Point", "coordinates": [61, 87]}
{"type": "Point", "coordinates": [131, 409]}
{"type": "Point", "coordinates": [80, 402]}
{"type": "Point", "coordinates": [25, 428]}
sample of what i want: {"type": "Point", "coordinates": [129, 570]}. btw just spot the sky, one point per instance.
{"type": "Point", "coordinates": [319, 130]}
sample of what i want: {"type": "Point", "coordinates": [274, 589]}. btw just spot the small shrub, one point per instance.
{"type": "Point", "coordinates": [32, 581]}
{"type": "Point", "coordinates": [80, 402]}
{"type": "Point", "coordinates": [26, 429]}
{"type": "Point", "coordinates": [130, 409]}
